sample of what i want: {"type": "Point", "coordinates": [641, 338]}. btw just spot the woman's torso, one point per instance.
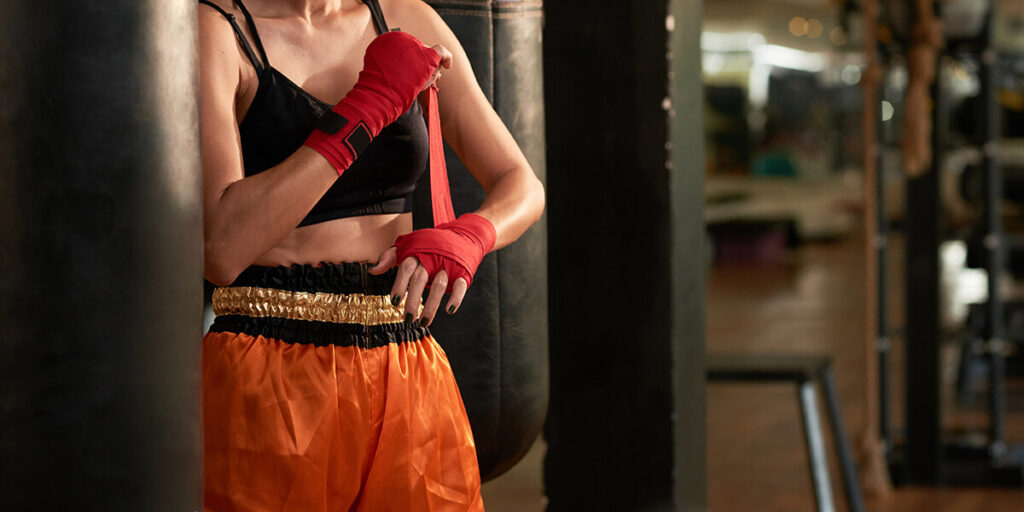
{"type": "Point", "coordinates": [323, 58]}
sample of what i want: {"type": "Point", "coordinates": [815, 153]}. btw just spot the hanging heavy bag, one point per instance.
{"type": "Point", "coordinates": [498, 341]}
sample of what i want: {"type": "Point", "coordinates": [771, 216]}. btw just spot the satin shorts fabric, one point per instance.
{"type": "Point", "coordinates": [316, 399]}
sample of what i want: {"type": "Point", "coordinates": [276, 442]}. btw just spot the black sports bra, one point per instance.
{"type": "Point", "coordinates": [282, 115]}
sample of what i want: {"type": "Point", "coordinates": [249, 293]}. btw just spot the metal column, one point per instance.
{"type": "Point", "coordinates": [884, 340]}
{"type": "Point", "coordinates": [995, 345]}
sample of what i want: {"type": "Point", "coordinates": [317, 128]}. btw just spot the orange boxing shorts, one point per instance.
{"type": "Point", "coordinates": [317, 396]}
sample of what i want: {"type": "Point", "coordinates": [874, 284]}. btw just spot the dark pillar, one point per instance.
{"type": "Point", "coordinates": [924, 231]}
{"type": "Point", "coordinates": [625, 430]}
{"type": "Point", "coordinates": [100, 247]}
{"type": "Point", "coordinates": [497, 343]}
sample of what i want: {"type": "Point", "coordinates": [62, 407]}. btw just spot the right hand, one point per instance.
{"type": "Point", "coordinates": [396, 68]}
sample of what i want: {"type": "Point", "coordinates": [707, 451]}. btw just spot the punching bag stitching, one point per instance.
{"type": "Point", "coordinates": [497, 255]}
{"type": "Point", "coordinates": [460, 12]}
{"type": "Point", "coordinates": [517, 14]}
{"type": "Point", "coordinates": [518, 9]}
{"type": "Point", "coordinates": [483, 4]}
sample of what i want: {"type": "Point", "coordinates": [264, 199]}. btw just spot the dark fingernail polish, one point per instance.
{"type": "Point", "coordinates": [451, 310]}
{"type": "Point", "coordinates": [424, 321]}
{"type": "Point", "coordinates": [408, 317]}
{"type": "Point", "coordinates": [395, 300]}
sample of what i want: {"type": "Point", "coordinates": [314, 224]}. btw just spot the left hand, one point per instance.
{"type": "Point", "coordinates": [410, 282]}
{"type": "Point", "coordinates": [451, 249]}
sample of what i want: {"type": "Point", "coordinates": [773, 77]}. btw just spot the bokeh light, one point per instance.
{"type": "Point", "coordinates": [838, 36]}
{"type": "Point", "coordinates": [850, 74]}
{"type": "Point", "coordinates": [814, 28]}
{"type": "Point", "coordinates": [798, 26]}
{"type": "Point", "coordinates": [887, 111]}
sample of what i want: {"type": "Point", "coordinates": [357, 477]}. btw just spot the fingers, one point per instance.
{"type": "Point", "coordinates": [437, 288]}
{"type": "Point", "coordinates": [446, 56]}
{"type": "Point", "coordinates": [417, 284]}
{"type": "Point", "coordinates": [385, 261]}
{"type": "Point", "coordinates": [405, 271]}
{"type": "Point", "coordinates": [446, 63]}
{"type": "Point", "coordinates": [433, 79]}
{"type": "Point", "coordinates": [458, 293]}
{"type": "Point", "coordinates": [410, 282]}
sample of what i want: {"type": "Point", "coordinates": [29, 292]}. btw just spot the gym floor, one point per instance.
{"type": "Point", "coordinates": [756, 458]}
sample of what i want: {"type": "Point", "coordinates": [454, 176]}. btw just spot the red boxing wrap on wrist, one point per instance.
{"type": "Point", "coordinates": [457, 247]}
{"type": "Point", "coordinates": [396, 67]}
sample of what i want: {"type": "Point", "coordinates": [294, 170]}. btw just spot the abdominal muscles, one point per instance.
{"type": "Point", "coordinates": [349, 239]}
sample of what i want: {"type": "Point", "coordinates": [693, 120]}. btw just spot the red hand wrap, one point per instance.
{"type": "Point", "coordinates": [396, 67]}
{"type": "Point", "coordinates": [455, 247]}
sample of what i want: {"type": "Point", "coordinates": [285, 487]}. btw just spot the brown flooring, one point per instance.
{"type": "Point", "coordinates": [756, 457]}
{"type": "Point", "coordinates": [815, 304]}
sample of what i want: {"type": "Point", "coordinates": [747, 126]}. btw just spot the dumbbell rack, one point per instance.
{"type": "Point", "coordinates": [926, 457]}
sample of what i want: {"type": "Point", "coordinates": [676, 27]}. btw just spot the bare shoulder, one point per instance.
{"type": "Point", "coordinates": [211, 19]}
{"type": "Point", "coordinates": [417, 18]}
{"type": "Point", "coordinates": [214, 29]}
{"type": "Point", "coordinates": [219, 53]}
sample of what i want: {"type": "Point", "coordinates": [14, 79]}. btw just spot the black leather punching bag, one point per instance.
{"type": "Point", "coordinates": [498, 341]}
{"type": "Point", "coordinates": [99, 242]}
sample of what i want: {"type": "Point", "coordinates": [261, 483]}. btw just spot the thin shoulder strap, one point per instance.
{"type": "Point", "coordinates": [238, 32]}
{"type": "Point", "coordinates": [378, 16]}
{"type": "Point", "coordinates": [255, 33]}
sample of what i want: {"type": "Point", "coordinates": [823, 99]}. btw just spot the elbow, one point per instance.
{"type": "Point", "coordinates": [537, 200]}
{"type": "Point", "coordinates": [218, 267]}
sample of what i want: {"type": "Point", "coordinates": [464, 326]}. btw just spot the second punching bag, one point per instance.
{"type": "Point", "coordinates": [498, 341]}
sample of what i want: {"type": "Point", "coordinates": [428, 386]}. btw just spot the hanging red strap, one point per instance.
{"type": "Point", "coordinates": [454, 245]}
{"type": "Point", "coordinates": [440, 194]}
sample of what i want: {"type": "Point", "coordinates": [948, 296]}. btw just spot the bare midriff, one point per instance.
{"type": "Point", "coordinates": [349, 239]}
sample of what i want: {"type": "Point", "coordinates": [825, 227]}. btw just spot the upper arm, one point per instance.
{"type": "Point", "coordinates": [219, 80]}
{"type": "Point", "coordinates": [470, 125]}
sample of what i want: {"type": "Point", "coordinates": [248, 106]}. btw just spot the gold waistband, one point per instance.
{"type": "Point", "coordinates": [339, 308]}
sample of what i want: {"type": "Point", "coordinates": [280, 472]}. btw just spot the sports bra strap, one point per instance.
{"type": "Point", "coordinates": [255, 33]}
{"type": "Point", "coordinates": [378, 16]}
{"type": "Point", "coordinates": [241, 36]}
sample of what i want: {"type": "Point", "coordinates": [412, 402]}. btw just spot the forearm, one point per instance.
{"type": "Point", "coordinates": [515, 201]}
{"type": "Point", "coordinates": [253, 214]}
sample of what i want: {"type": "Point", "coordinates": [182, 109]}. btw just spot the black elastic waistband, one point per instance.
{"type": "Point", "coordinates": [321, 333]}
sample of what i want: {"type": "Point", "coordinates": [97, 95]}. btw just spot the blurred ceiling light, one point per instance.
{"type": "Point", "coordinates": [838, 36]}
{"type": "Point", "coordinates": [814, 28]}
{"type": "Point", "coordinates": [730, 41]}
{"type": "Point", "coordinates": [798, 26]}
{"type": "Point", "coordinates": [790, 58]}
{"type": "Point", "coordinates": [850, 74]}
{"type": "Point", "coordinates": [713, 62]}
{"type": "Point", "coordinates": [887, 111]}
